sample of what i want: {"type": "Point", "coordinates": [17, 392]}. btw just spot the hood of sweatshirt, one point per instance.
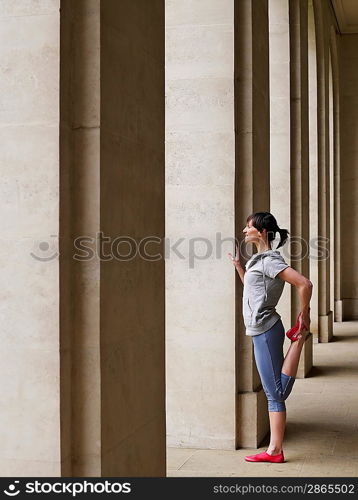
{"type": "Point", "coordinates": [260, 257]}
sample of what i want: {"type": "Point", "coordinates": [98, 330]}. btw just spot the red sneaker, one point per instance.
{"type": "Point", "coordinates": [265, 457]}
{"type": "Point", "coordinates": [292, 331]}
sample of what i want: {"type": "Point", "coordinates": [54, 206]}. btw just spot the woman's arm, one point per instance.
{"type": "Point", "coordinates": [240, 270]}
{"type": "Point", "coordinates": [304, 287]}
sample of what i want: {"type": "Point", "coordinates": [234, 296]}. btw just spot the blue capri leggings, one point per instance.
{"type": "Point", "coordinates": [268, 350]}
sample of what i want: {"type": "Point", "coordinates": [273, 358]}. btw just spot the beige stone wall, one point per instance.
{"type": "Point", "coordinates": [132, 204]}
{"type": "Point", "coordinates": [349, 174]}
{"type": "Point", "coordinates": [29, 203]}
{"type": "Point", "coordinates": [200, 299]}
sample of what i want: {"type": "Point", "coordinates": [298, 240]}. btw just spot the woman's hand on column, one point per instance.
{"type": "Point", "coordinates": [235, 260]}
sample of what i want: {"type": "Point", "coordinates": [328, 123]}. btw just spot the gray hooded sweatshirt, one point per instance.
{"type": "Point", "coordinates": [262, 291]}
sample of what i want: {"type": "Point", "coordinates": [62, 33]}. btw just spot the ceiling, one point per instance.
{"type": "Point", "coordinates": [347, 15]}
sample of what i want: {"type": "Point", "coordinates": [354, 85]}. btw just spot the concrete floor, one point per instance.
{"type": "Point", "coordinates": [321, 437]}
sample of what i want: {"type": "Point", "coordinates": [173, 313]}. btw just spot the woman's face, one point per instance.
{"type": "Point", "coordinates": [252, 235]}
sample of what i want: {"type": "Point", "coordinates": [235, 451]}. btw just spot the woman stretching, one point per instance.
{"type": "Point", "coordinates": [264, 278]}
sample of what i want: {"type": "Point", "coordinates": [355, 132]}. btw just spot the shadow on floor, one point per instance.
{"type": "Point", "coordinates": [351, 370]}
{"type": "Point", "coordinates": [295, 429]}
{"type": "Point", "coordinates": [339, 338]}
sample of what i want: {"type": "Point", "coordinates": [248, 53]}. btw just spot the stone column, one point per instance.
{"type": "Point", "coordinates": [332, 181]}
{"type": "Point", "coordinates": [29, 201]}
{"type": "Point", "coordinates": [280, 137]}
{"type": "Point", "coordinates": [112, 188]}
{"type": "Point", "coordinates": [200, 284]}
{"type": "Point", "coordinates": [338, 303]}
{"type": "Point", "coordinates": [313, 169]}
{"type": "Point", "coordinates": [299, 165]}
{"type": "Point", "coordinates": [252, 192]}
{"type": "Point", "coordinates": [325, 315]}
{"type": "Point", "coordinates": [349, 176]}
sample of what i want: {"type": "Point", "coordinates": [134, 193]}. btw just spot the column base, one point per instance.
{"type": "Point", "coordinates": [349, 309]}
{"type": "Point", "coordinates": [325, 327]}
{"type": "Point", "coordinates": [252, 421]}
{"type": "Point", "coordinates": [338, 311]}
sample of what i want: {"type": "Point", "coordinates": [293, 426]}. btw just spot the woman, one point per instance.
{"type": "Point", "coordinates": [264, 278]}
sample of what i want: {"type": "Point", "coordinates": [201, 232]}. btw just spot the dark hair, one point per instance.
{"type": "Point", "coordinates": [265, 220]}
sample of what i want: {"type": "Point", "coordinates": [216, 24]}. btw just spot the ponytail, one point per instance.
{"type": "Point", "coordinates": [283, 236]}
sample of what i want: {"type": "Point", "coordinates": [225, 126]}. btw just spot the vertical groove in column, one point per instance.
{"type": "Point", "coordinates": [298, 15]}
{"type": "Point", "coordinates": [260, 105]}
{"type": "Point", "coordinates": [132, 210]}
{"type": "Point", "coordinates": [79, 216]}
{"type": "Point", "coordinates": [313, 202]}
{"type": "Point", "coordinates": [243, 68]}
{"type": "Point", "coordinates": [321, 143]}
{"type": "Point", "coordinates": [324, 313]}
{"type": "Point", "coordinates": [65, 229]}
{"type": "Point", "coordinates": [252, 182]}
{"type": "Point", "coordinates": [200, 175]}
{"type": "Point", "coordinates": [337, 176]}
{"type": "Point", "coordinates": [280, 136]}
